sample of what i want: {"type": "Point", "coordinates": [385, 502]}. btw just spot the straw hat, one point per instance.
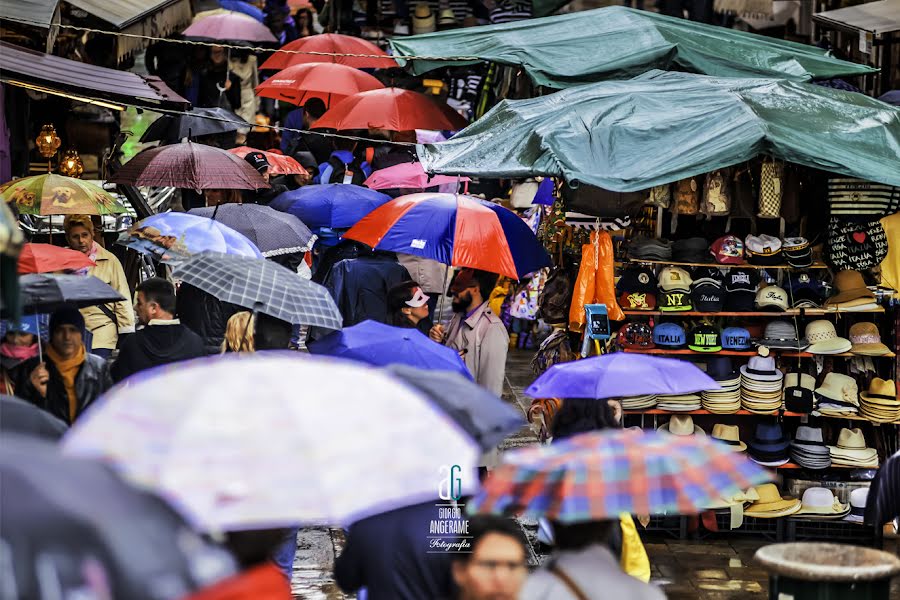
{"type": "Point", "coordinates": [447, 19]}
{"type": "Point", "coordinates": [731, 435]}
{"type": "Point", "coordinates": [881, 391]}
{"type": "Point", "coordinates": [681, 425]}
{"type": "Point", "coordinates": [819, 501]}
{"type": "Point", "coordinates": [824, 339]}
{"type": "Point", "coordinates": [866, 340]}
{"type": "Point", "coordinates": [858, 500]}
{"type": "Point", "coordinates": [851, 450]}
{"type": "Point", "coordinates": [761, 368]}
{"type": "Point", "coordinates": [423, 20]}
{"type": "Point", "coordinates": [850, 286]}
{"type": "Point", "coordinates": [840, 388]}
{"type": "Point", "coordinates": [771, 504]}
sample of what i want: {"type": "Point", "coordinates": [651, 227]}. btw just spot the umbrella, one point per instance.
{"type": "Point", "coordinates": [279, 164]}
{"type": "Point", "coordinates": [189, 165]}
{"type": "Point", "coordinates": [454, 229]}
{"type": "Point", "coordinates": [600, 475]}
{"type": "Point", "coordinates": [326, 81]}
{"type": "Point", "coordinates": [19, 416]}
{"type": "Point", "coordinates": [273, 232]}
{"type": "Point", "coordinates": [174, 235]}
{"type": "Point", "coordinates": [390, 108]}
{"type": "Point", "coordinates": [407, 175]}
{"type": "Point", "coordinates": [327, 45]}
{"type": "Point", "coordinates": [73, 529]}
{"type": "Point", "coordinates": [378, 344]}
{"type": "Point", "coordinates": [198, 122]}
{"type": "Point", "coordinates": [44, 293]}
{"type": "Point", "coordinates": [243, 8]}
{"type": "Point", "coordinates": [46, 258]}
{"type": "Point", "coordinates": [332, 205]}
{"type": "Point", "coordinates": [892, 97]}
{"type": "Point", "coordinates": [11, 237]}
{"type": "Point", "coordinates": [484, 416]}
{"type": "Point", "coordinates": [274, 439]}
{"type": "Point", "coordinates": [230, 27]}
{"type": "Point", "coordinates": [52, 194]}
{"type": "Point", "coordinates": [618, 375]}
{"type": "Point", "coordinates": [262, 286]}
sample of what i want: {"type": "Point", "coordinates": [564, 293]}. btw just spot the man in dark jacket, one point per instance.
{"type": "Point", "coordinates": [68, 379]}
{"type": "Point", "coordinates": [205, 315]}
{"type": "Point", "coordinates": [163, 338]}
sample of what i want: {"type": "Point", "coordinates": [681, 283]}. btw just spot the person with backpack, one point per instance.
{"type": "Point", "coordinates": [342, 166]}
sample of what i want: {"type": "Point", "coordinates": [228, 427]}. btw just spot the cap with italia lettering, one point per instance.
{"type": "Point", "coordinates": [705, 338]}
{"type": "Point", "coordinates": [707, 294]}
{"type": "Point", "coordinates": [772, 298]}
{"type": "Point", "coordinates": [669, 335]}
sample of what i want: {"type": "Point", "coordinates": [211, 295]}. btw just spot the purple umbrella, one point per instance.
{"type": "Point", "coordinates": [620, 375]}
{"type": "Point", "coordinates": [229, 27]}
{"type": "Point", "coordinates": [189, 165]}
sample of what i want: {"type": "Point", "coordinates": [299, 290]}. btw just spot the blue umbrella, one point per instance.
{"type": "Point", "coordinates": [620, 375]}
{"type": "Point", "coordinates": [333, 205]}
{"type": "Point", "coordinates": [243, 7]}
{"type": "Point", "coordinates": [378, 344]}
{"type": "Point", "coordinates": [176, 235]}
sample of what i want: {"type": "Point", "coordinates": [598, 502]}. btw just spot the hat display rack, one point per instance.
{"type": "Point", "coordinates": [805, 356]}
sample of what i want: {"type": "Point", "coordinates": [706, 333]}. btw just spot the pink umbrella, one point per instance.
{"type": "Point", "coordinates": [229, 27]}
{"type": "Point", "coordinates": [407, 175]}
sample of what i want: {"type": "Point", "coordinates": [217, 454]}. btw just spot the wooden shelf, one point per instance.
{"type": "Point", "coordinates": [782, 352]}
{"type": "Point", "coordinates": [656, 411]}
{"type": "Point", "coordinates": [794, 312]}
{"type": "Point", "coordinates": [816, 265]}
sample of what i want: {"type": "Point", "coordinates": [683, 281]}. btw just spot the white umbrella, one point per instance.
{"type": "Point", "coordinates": [275, 439]}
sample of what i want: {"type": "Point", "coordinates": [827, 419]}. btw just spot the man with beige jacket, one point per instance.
{"type": "Point", "coordinates": [106, 321]}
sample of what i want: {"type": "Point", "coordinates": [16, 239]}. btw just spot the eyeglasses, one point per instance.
{"type": "Point", "coordinates": [515, 568]}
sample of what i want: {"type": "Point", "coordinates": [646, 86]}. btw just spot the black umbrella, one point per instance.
{"type": "Point", "coordinates": [272, 231]}
{"type": "Point", "coordinates": [70, 527]}
{"type": "Point", "coordinates": [484, 416]}
{"type": "Point", "coordinates": [262, 286]}
{"type": "Point", "coordinates": [44, 292]}
{"type": "Point", "coordinates": [19, 416]}
{"type": "Point", "coordinates": [199, 122]}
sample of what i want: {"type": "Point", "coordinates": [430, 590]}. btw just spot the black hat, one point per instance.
{"type": "Point", "coordinates": [721, 368]}
{"type": "Point", "coordinates": [257, 160]}
{"type": "Point", "coordinates": [799, 392]}
{"type": "Point", "coordinates": [805, 291]}
{"type": "Point", "coordinates": [707, 295]}
{"type": "Point", "coordinates": [740, 285]}
{"type": "Point", "coordinates": [695, 249]}
{"type": "Point", "coordinates": [66, 315]}
{"type": "Point", "coordinates": [797, 252]}
{"type": "Point", "coordinates": [637, 289]}
{"type": "Point", "coordinates": [705, 338]}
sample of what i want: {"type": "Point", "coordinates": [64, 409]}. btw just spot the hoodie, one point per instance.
{"type": "Point", "coordinates": [159, 343]}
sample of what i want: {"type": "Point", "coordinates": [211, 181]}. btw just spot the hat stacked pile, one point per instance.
{"type": "Point", "coordinates": [675, 290]}
{"type": "Point", "coordinates": [858, 500]}
{"type": "Point", "coordinates": [726, 400]}
{"type": "Point", "coordinates": [639, 402]}
{"type": "Point", "coordinates": [879, 404]}
{"type": "Point", "coordinates": [644, 248]}
{"type": "Point", "coordinates": [769, 446]}
{"type": "Point", "coordinates": [736, 338]}
{"type": "Point", "coordinates": [691, 250]}
{"type": "Point", "coordinates": [771, 298]}
{"type": "Point", "coordinates": [728, 250]}
{"type": "Point", "coordinates": [705, 338]}
{"type": "Point", "coordinates": [837, 396]}
{"type": "Point", "coordinates": [637, 289]}
{"type": "Point", "coordinates": [782, 335]}
{"type": "Point", "coordinates": [808, 448]}
{"type": "Point", "coordinates": [821, 503]}
{"type": "Point", "coordinates": [797, 252]}
{"type": "Point", "coordinates": [771, 504]}
{"type": "Point", "coordinates": [761, 385]}
{"type": "Point", "coordinates": [851, 451]}
{"type": "Point", "coordinates": [679, 402]}
{"type": "Point", "coordinates": [852, 293]}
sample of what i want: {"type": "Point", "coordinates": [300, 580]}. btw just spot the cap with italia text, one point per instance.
{"type": "Point", "coordinates": [707, 294]}
{"type": "Point", "coordinates": [705, 338]}
{"type": "Point", "coordinates": [669, 335]}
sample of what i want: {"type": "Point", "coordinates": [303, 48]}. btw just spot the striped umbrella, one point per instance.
{"type": "Point", "coordinates": [600, 475]}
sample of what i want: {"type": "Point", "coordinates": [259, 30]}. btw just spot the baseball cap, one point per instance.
{"type": "Point", "coordinates": [636, 335]}
{"type": "Point", "coordinates": [674, 278]}
{"type": "Point", "coordinates": [797, 252]}
{"type": "Point", "coordinates": [736, 338]}
{"type": "Point", "coordinates": [257, 160]}
{"type": "Point", "coordinates": [669, 335]}
{"type": "Point", "coordinates": [763, 249]}
{"type": "Point", "coordinates": [772, 298]}
{"type": "Point", "coordinates": [705, 338]}
{"type": "Point", "coordinates": [728, 250]}
{"type": "Point", "coordinates": [805, 291]}
{"type": "Point", "coordinates": [708, 294]}
{"type": "Point", "coordinates": [675, 301]}
{"type": "Point", "coordinates": [740, 285]}
{"type": "Point", "coordinates": [637, 289]}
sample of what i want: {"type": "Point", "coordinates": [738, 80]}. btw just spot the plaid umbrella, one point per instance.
{"type": "Point", "coordinates": [600, 475]}
{"type": "Point", "coordinates": [273, 232]}
{"type": "Point", "coordinates": [262, 286]}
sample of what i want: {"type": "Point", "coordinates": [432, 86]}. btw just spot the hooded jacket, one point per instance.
{"type": "Point", "coordinates": [159, 343]}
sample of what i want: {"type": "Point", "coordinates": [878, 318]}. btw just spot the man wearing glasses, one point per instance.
{"type": "Point", "coordinates": [497, 566]}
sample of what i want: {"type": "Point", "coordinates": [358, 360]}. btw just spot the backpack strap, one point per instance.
{"type": "Point", "coordinates": [556, 570]}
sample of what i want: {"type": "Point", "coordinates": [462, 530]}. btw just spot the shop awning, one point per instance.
{"type": "Point", "coordinates": [80, 81]}
{"type": "Point", "coordinates": [38, 13]}
{"type": "Point", "coordinates": [875, 17]}
{"type": "Point", "coordinates": [617, 42]}
{"type": "Point", "coordinates": [665, 126]}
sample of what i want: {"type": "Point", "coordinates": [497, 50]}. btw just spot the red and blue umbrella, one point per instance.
{"type": "Point", "coordinates": [454, 229]}
{"type": "Point", "coordinates": [331, 205]}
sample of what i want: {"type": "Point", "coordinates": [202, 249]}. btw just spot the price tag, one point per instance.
{"type": "Point", "coordinates": [865, 42]}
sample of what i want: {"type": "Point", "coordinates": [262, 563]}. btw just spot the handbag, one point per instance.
{"type": "Point", "coordinates": [687, 197]}
{"type": "Point", "coordinates": [856, 246]}
{"type": "Point", "coordinates": [660, 195]}
{"type": "Point", "coordinates": [716, 194]}
{"type": "Point", "coordinates": [553, 303]}
{"type": "Point", "coordinates": [770, 189]}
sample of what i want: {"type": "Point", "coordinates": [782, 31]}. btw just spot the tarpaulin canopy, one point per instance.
{"type": "Point", "coordinates": [39, 13]}
{"type": "Point", "coordinates": [663, 126]}
{"type": "Point", "coordinates": [617, 42]}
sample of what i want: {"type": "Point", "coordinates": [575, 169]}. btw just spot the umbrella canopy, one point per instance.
{"type": "Point", "coordinates": [262, 286]}
{"type": "Point", "coordinates": [456, 230]}
{"type": "Point", "coordinates": [378, 344]}
{"type": "Point", "coordinates": [332, 205]}
{"type": "Point", "coordinates": [174, 236]}
{"type": "Point", "coordinates": [393, 109]}
{"type": "Point", "coordinates": [329, 82]}
{"type": "Point", "coordinates": [216, 441]}
{"type": "Point", "coordinates": [279, 164]}
{"type": "Point", "coordinates": [46, 258]}
{"type": "Point", "coordinates": [322, 47]}
{"type": "Point", "coordinates": [19, 416]}
{"type": "Point", "coordinates": [598, 134]}
{"type": "Point", "coordinates": [618, 375]}
{"type": "Point", "coordinates": [484, 416]}
{"type": "Point", "coordinates": [244, 8]}
{"type": "Point", "coordinates": [198, 122]}
{"type": "Point", "coordinates": [600, 475]}
{"type": "Point", "coordinates": [189, 165]}
{"type": "Point", "coordinates": [52, 194]}
{"type": "Point", "coordinates": [272, 231]}
{"type": "Point", "coordinates": [407, 175]}
{"type": "Point", "coordinates": [231, 27]}
{"type": "Point", "coordinates": [44, 293]}
{"type": "Point", "coordinates": [11, 237]}
{"type": "Point", "coordinates": [73, 526]}
{"type": "Point", "coordinates": [562, 51]}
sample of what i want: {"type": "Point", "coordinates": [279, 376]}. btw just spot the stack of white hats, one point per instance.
{"type": "Point", "coordinates": [679, 402]}
{"type": "Point", "coordinates": [727, 399]}
{"type": "Point", "coordinates": [851, 451]}
{"type": "Point", "coordinates": [639, 402]}
{"type": "Point", "coordinates": [837, 396]}
{"type": "Point", "coordinates": [761, 385]}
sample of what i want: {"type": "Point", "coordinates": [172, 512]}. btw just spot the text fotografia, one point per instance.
{"type": "Point", "coordinates": [449, 532]}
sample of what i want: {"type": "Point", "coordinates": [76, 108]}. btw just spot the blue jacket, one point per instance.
{"type": "Point", "coordinates": [346, 157]}
{"type": "Point", "coordinates": [359, 286]}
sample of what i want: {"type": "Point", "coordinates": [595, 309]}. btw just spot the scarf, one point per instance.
{"type": "Point", "coordinates": [68, 370]}
{"type": "Point", "coordinates": [20, 353]}
{"type": "Point", "coordinates": [95, 248]}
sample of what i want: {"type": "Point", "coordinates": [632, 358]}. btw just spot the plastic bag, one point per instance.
{"type": "Point", "coordinates": [596, 281]}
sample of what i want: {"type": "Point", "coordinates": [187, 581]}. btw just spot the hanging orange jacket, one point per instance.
{"type": "Point", "coordinates": [596, 281]}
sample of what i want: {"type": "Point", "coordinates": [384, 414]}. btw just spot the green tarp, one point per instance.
{"type": "Point", "coordinates": [618, 43]}
{"type": "Point", "coordinates": [664, 126]}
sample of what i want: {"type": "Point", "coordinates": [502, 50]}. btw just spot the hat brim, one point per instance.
{"type": "Point", "coordinates": [777, 376]}
{"type": "Point", "coordinates": [870, 349]}
{"type": "Point", "coordinates": [825, 511]}
{"type": "Point", "coordinates": [782, 507]}
{"type": "Point", "coordinates": [697, 430]}
{"type": "Point", "coordinates": [705, 348]}
{"type": "Point", "coordinates": [739, 447]}
{"type": "Point", "coordinates": [783, 344]}
{"type": "Point", "coordinates": [836, 345]}
{"type": "Point", "coordinates": [848, 295]}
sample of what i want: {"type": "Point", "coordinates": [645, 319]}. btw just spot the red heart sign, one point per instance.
{"type": "Point", "coordinates": [859, 237]}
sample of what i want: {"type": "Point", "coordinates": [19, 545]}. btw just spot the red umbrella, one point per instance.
{"type": "Point", "coordinates": [189, 165]}
{"type": "Point", "coordinates": [279, 164]}
{"type": "Point", "coordinates": [393, 109]}
{"type": "Point", "coordinates": [323, 80]}
{"type": "Point", "coordinates": [47, 258]}
{"type": "Point", "coordinates": [229, 27]}
{"type": "Point", "coordinates": [331, 43]}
